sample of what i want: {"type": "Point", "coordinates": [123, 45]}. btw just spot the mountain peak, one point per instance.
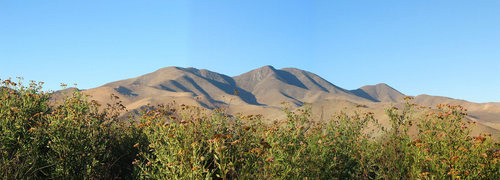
{"type": "Point", "coordinates": [264, 70]}
{"type": "Point", "coordinates": [267, 67]}
{"type": "Point", "coordinates": [380, 92]}
{"type": "Point", "coordinates": [381, 85]}
{"type": "Point", "coordinates": [176, 68]}
{"type": "Point", "coordinates": [171, 68]}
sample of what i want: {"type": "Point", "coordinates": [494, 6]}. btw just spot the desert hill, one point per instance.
{"type": "Point", "coordinates": [262, 91]}
{"type": "Point", "coordinates": [271, 86]}
{"type": "Point", "coordinates": [379, 93]}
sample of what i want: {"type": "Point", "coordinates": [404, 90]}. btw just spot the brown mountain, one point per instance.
{"type": "Point", "coordinates": [271, 86]}
{"type": "Point", "coordinates": [261, 91]}
{"type": "Point", "coordinates": [192, 86]}
{"type": "Point", "coordinates": [379, 93]}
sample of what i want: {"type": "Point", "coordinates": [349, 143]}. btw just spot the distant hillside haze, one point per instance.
{"type": "Point", "coordinates": [263, 90]}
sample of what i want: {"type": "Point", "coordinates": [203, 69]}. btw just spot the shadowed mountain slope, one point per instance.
{"type": "Point", "coordinates": [207, 88]}
{"type": "Point", "coordinates": [271, 86]}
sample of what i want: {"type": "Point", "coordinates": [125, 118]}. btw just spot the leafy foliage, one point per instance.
{"type": "Point", "coordinates": [72, 139]}
{"type": "Point", "coordinates": [77, 138]}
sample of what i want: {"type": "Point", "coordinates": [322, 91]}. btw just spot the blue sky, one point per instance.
{"type": "Point", "coordinates": [437, 47]}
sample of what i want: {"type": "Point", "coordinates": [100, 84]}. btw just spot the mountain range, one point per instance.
{"type": "Point", "coordinates": [263, 90]}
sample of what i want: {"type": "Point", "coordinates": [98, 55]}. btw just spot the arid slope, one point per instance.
{"type": "Point", "coordinates": [262, 91]}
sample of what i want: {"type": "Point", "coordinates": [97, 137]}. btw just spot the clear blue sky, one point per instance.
{"type": "Point", "coordinates": [437, 47]}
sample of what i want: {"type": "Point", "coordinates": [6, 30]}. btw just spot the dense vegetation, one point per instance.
{"type": "Point", "coordinates": [78, 139]}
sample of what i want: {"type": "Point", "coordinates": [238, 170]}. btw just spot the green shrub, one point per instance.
{"type": "Point", "coordinates": [78, 139]}
{"type": "Point", "coordinates": [22, 111]}
{"type": "Point", "coordinates": [441, 148]}
{"type": "Point", "coordinates": [303, 148]}
{"type": "Point", "coordinates": [70, 140]}
{"type": "Point", "coordinates": [190, 145]}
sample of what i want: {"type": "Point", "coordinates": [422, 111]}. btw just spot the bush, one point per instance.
{"type": "Point", "coordinates": [192, 145]}
{"type": "Point", "coordinates": [442, 147]}
{"type": "Point", "coordinates": [22, 111]}
{"type": "Point", "coordinates": [70, 140]}
{"type": "Point", "coordinates": [78, 139]}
